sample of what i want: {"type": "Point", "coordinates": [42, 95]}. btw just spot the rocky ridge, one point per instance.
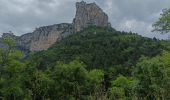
{"type": "Point", "coordinates": [42, 38]}
{"type": "Point", "coordinates": [89, 15]}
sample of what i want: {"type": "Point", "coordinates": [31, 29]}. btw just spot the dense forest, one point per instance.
{"type": "Point", "coordinates": [94, 64]}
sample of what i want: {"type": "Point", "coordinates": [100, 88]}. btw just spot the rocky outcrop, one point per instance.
{"type": "Point", "coordinates": [42, 38]}
{"type": "Point", "coordinates": [24, 41]}
{"type": "Point", "coordinates": [89, 15]}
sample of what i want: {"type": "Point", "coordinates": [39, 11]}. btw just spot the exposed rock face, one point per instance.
{"type": "Point", "coordinates": [89, 15]}
{"type": "Point", "coordinates": [24, 41]}
{"type": "Point", "coordinates": [42, 38]}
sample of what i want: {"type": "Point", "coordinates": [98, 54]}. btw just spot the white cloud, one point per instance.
{"type": "Point", "coordinates": [108, 6]}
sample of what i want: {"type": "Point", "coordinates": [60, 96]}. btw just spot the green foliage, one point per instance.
{"type": "Point", "coordinates": [69, 80]}
{"type": "Point", "coordinates": [10, 42]}
{"type": "Point", "coordinates": [117, 93]}
{"type": "Point", "coordinates": [121, 81]}
{"type": "Point", "coordinates": [72, 80]}
{"type": "Point", "coordinates": [95, 64]}
{"type": "Point", "coordinates": [121, 88]}
{"type": "Point", "coordinates": [163, 24]}
{"type": "Point", "coordinates": [100, 48]}
{"type": "Point", "coordinates": [95, 86]}
{"type": "Point", "coordinates": [10, 71]}
{"type": "Point", "coordinates": [165, 58]}
{"type": "Point", "coordinates": [151, 79]}
{"type": "Point", "coordinates": [96, 76]}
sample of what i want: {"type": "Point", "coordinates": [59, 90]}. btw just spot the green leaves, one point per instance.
{"type": "Point", "coordinates": [151, 78]}
{"type": "Point", "coordinates": [121, 81]}
{"type": "Point", "coordinates": [10, 42]}
{"type": "Point", "coordinates": [121, 88]}
{"type": "Point", "coordinates": [69, 80]}
{"type": "Point", "coordinates": [95, 80]}
{"type": "Point", "coordinates": [107, 66]}
{"type": "Point", "coordinates": [96, 76]}
{"type": "Point", "coordinates": [11, 69]}
{"type": "Point", "coordinates": [117, 93]}
{"type": "Point", "coordinates": [163, 24]}
{"type": "Point", "coordinates": [103, 50]}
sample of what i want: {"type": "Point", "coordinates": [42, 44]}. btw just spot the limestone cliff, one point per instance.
{"type": "Point", "coordinates": [24, 41]}
{"type": "Point", "coordinates": [42, 38]}
{"type": "Point", "coordinates": [89, 15]}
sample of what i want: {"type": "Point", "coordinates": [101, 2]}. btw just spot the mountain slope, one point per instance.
{"type": "Point", "coordinates": [101, 48]}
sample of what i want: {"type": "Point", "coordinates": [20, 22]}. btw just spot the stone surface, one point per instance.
{"type": "Point", "coordinates": [24, 41]}
{"type": "Point", "coordinates": [44, 37]}
{"type": "Point", "coordinates": [89, 15]}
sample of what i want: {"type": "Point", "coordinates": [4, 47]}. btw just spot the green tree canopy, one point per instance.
{"type": "Point", "coordinates": [163, 23]}
{"type": "Point", "coordinates": [10, 71]}
{"type": "Point", "coordinates": [151, 79]}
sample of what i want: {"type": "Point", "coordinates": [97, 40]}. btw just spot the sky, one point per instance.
{"type": "Point", "coordinates": [23, 16]}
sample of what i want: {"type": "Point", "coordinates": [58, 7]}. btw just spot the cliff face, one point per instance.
{"type": "Point", "coordinates": [24, 41]}
{"type": "Point", "coordinates": [89, 15]}
{"type": "Point", "coordinates": [42, 38]}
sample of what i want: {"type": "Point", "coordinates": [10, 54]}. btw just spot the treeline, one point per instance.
{"type": "Point", "coordinates": [96, 64]}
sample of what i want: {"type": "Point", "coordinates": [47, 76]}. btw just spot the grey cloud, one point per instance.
{"type": "Point", "coordinates": [139, 14]}
{"type": "Point", "coordinates": [22, 16]}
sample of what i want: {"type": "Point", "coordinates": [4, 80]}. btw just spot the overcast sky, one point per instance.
{"type": "Point", "coordinates": [23, 16]}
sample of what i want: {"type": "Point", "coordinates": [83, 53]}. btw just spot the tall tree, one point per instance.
{"type": "Point", "coordinates": [163, 24]}
{"type": "Point", "coordinates": [10, 71]}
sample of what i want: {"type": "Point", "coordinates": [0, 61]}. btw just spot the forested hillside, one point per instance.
{"type": "Point", "coordinates": [101, 48]}
{"type": "Point", "coordinates": [94, 64]}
